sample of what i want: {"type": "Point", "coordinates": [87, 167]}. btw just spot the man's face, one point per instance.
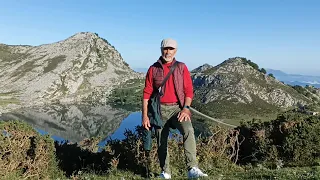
{"type": "Point", "coordinates": [168, 53]}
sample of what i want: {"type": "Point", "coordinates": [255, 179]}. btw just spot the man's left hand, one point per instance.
{"type": "Point", "coordinates": [184, 115]}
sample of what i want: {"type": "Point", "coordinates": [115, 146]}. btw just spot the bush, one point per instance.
{"type": "Point", "coordinates": [271, 75]}
{"type": "Point", "coordinates": [299, 89]}
{"type": "Point", "coordinates": [263, 71]}
{"type": "Point", "coordinates": [25, 153]}
{"type": "Point", "coordinates": [252, 64]}
{"type": "Point", "coordinates": [218, 150]}
{"type": "Point", "coordinates": [292, 139]}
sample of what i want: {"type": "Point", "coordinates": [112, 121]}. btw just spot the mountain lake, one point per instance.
{"type": "Point", "coordinates": [74, 122]}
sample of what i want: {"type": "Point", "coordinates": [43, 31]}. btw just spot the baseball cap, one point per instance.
{"type": "Point", "coordinates": [169, 43]}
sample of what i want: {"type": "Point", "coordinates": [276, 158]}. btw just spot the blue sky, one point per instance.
{"type": "Point", "coordinates": [277, 34]}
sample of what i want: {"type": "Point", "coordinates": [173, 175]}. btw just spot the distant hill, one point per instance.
{"type": "Point", "coordinates": [237, 88]}
{"type": "Point", "coordinates": [141, 70]}
{"type": "Point", "coordinates": [296, 79]}
{"type": "Point", "coordinates": [80, 68]}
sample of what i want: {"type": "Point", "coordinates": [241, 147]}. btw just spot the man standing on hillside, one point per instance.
{"type": "Point", "coordinates": [175, 100]}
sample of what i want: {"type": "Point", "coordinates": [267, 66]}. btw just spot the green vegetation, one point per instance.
{"type": "Point", "coordinates": [263, 71]}
{"type": "Point", "coordinates": [285, 148]}
{"type": "Point", "coordinates": [26, 154]}
{"type": "Point", "coordinates": [7, 56]}
{"type": "Point", "coordinates": [210, 71]}
{"type": "Point", "coordinates": [300, 89]}
{"type": "Point", "coordinates": [128, 95]}
{"type": "Point", "coordinates": [307, 91]}
{"type": "Point", "coordinates": [252, 64]}
{"type": "Point", "coordinates": [5, 102]}
{"type": "Point", "coordinates": [271, 75]}
{"type": "Point", "coordinates": [234, 113]}
{"type": "Point", "coordinates": [231, 110]}
{"type": "Point", "coordinates": [8, 98]}
{"type": "Point", "coordinates": [126, 64]}
{"type": "Point", "coordinates": [22, 70]}
{"type": "Point", "coordinates": [120, 72]}
{"type": "Point", "coordinates": [84, 64]}
{"type": "Point", "coordinates": [290, 140]}
{"type": "Point", "coordinates": [264, 145]}
{"type": "Point", "coordinates": [53, 63]}
{"type": "Point", "coordinates": [63, 87]}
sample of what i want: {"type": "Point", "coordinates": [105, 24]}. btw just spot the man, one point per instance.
{"type": "Point", "coordinates": [177, 94]}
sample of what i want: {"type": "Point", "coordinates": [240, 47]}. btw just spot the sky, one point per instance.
{"type": "Point", "coordinates": [277, 34]}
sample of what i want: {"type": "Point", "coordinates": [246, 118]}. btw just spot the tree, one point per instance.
{"type": "Point", "coordinates": [271, 75]}
{"type": "Point", "coordinates": [252, 64]}
{"type": "Point", "coordinates": [300, 89]}
{"type": "Point", "coordinates": [263, 71]}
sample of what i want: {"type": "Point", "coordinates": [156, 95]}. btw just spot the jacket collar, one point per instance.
{"type": "Point", "coordinates": [161, 59]}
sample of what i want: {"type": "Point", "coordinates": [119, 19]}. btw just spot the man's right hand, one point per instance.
{"type": "Point", "coordinates": [146, 122]}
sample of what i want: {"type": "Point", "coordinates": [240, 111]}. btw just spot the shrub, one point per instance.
{"type": "Point", "coordinates": [25, 153]}
{"type": "Point", "coordinates": [271, 75]}
{"type": "Point", "coordinates": [299, 89]}
{"type": "Point", "coordinates": [218, 150]}
{"type": "Point", "coordinates": [292, 138]}
{"type": "Point", "coordinates": [263, 71]}
{"type": "Point", "coordinates": [252, 64]}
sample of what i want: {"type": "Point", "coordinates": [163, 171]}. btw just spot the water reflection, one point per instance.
{"type": "Point", "coordinates": [129, 123]}
{"type": "Point", "coordinates": [76, 122]}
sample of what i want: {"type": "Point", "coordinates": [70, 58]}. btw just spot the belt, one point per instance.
{"type": "Point", "coordinates": [169, 104]}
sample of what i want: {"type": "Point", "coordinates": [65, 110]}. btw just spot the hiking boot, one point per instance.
{"type": "Point", "coordinates": [195, 173]}
{"type": "Point", "coordinates": [165, 175]}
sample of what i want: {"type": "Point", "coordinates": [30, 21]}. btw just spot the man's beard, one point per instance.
{"type": "Point", "coordinates": [167, 58]}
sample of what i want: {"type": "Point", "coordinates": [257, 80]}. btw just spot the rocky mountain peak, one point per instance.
{"type": "Point", "coordinates": [83, 35]}
{"type": "Point", "coordinates": [80, 67]}
{"type": "Point", "coordinates": [202, 68]}
{"type": "Point", "coordinates": [235, 65]}
{"type": "Point", "coordinates": [238, 80]}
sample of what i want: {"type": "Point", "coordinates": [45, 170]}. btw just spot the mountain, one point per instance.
{"type": "Point", "coordinates": [202, 68]}
{"type": "Point", "coordinates": [141, 70]}
{"type": "Point", "coordinates": [83, 67]}
{"type": "Point", "coordinates": [296, 79]}
{"type": "Point", "coordinates": [236, 88]}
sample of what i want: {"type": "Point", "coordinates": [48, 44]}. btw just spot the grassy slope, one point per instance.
{"type": "Point", "coordinates": [128, 95]}
{"type": "Point", "coordinates": [8, 98]}
{"type": "Point", "coordinates": [233, 112]}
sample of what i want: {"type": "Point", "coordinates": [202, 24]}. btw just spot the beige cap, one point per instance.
{"type": "Point", "coordinates": [169, 43]}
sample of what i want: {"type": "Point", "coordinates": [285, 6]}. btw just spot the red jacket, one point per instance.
{"type": "Point", "coordinates": [178, 86]}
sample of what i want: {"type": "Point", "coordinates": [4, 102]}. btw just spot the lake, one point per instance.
{"type": "Point", "coordinates": [76, 122]}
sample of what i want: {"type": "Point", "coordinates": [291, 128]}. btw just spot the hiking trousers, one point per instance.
{"type": "Point", "coordinates": [169, 116]}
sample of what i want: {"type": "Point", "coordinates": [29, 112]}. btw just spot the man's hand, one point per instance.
{"type": "Point", "coordinates": [146, 122]}
{"type": "Point", "coordinates": [184, 115]}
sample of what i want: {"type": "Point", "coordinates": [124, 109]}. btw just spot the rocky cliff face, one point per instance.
{"type": "Point", "coordinates": [236, 82]}
{"type": "Point", "coordinates": [83, 66]}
